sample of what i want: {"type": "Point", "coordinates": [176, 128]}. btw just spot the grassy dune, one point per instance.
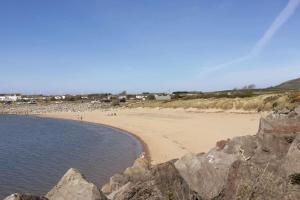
{"type": "Point", "coordinates": [263, 102]}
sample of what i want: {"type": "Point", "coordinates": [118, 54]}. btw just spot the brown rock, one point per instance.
{"type": "Point", "coordinates": [137, 172]}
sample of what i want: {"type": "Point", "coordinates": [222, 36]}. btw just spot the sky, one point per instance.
{"type": "Point", "coordinates": [94, 46]}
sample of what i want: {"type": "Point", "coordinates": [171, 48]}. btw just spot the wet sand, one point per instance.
{"type": "Point", "coordinates": [171, 133]}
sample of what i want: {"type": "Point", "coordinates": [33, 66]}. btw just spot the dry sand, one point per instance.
{"type": "Point", "coordinates": [171, 133]}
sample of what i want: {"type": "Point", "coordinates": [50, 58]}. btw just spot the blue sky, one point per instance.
{"type": "Point", "coordinates": [83, 46]}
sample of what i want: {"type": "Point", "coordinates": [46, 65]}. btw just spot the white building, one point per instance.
{"type": "Point", "coordinates": [122, 97]}
{"type": "Point", "coordinates": [59, 97]}
{"type": "Point", "coordinates": [10, 97]}
{"type": "Point", "coordinates": [141, 97]}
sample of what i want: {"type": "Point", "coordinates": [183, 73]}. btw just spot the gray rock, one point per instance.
{"type": "Point", "coordinates": [73, 186]}
{"type": "Point", "coordinates": [206, 174]}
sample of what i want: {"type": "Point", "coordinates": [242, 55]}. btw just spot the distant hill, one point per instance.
{"type": "Point", "coordinates": [290, 85]}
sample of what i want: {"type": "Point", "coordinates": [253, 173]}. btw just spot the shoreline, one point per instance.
{"type": "Point", "coordinates": [144, 146]}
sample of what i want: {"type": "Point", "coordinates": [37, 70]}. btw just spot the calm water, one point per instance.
{"type": "Point", "coordinates": [36, 152]}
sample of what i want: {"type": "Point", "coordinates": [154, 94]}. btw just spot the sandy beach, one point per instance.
{"type": "Point", "coordinates": [171, 133]}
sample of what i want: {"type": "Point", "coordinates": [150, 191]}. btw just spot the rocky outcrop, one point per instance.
{"type": "Point", "coordinates": [163, 182]}
{"type": "Point", "coordinates": [74, 186]}
{"type": "Point", "coordinates": [262, 166]}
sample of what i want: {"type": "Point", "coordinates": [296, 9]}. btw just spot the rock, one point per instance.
{"type": "Point", "coordinates": [140, 166]}
{"type": "Point", "coordinates": [73, 186]}
{"type": "Point", "coordinates": [220, 145]}
{"type": "Point", "coordinates": [137, 172]}
{"type": "Point", "coordinates": [275, 144]}
{"type": "Point", "coordinates": [206, 174]}
{"type": "Point", "coordinates": [163, 183]}
{"type": "Point", "coordinates": [138, 191]}
{"type": "Point", "coordinates": [297, 110]}
{"type": "Point", "coordinates": [115, 182]}
{"type": "Point", "coordinates": [18, 196]}
{"type": "Point", "coordinates": [279, 124]}
{"type": "Point", "coordinates": [245, 147]}
{"type": "Point", "coordinates": [284, 111]}
{"type": "Point", "coordinates": [246, 180]}
{"type": "Point", "coordinates": [276, 132]}
{"type": "Point", "coordinates": [120, 191]}
{"type": "Point", "coordinates": [292, 161]}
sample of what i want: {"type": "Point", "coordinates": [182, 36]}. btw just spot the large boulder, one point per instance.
{"type": "Point", "coordinates": [73, 186]}
{"type": "Point", "coordinates": [281, 123]}
{"type": "Point", "coordinates": [163, 183]}
{"type": "Point", "coordinates": [277, 131]}
{"type": "Point", "coordinates": [206, 174]}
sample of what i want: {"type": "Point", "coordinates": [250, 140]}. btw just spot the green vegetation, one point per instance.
{"type": "Point", "coordinates": [150, 97]}
{"type": "Point", "coordinates": [248, 100]}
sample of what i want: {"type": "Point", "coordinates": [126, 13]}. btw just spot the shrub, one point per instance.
{"type": "Point", "coordinates": [295, 97]}
{"type": "Point", "coordinates": [150, 97]}
{"type": "Point", "coordinates": [295, 178]}
{"type": "Point", "coordinates": [115, 102]}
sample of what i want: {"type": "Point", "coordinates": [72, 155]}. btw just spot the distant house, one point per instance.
{"type": "Point", "coordinates": [9, 97]}
{"type": "Point", "coordinates": [122, 97]}
{"type": "Point", "coordinates": [141, 97]}
{"type": "Point", "coordinates": [162, 97]}
{"type": "Point", "coordinates": [60, 97]}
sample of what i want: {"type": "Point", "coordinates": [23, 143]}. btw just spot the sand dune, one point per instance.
{"type": "Point", "coordinates": [171, 133]}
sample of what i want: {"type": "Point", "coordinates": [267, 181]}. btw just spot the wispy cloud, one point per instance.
{"type": "Point", "coordinates": [280, 20]}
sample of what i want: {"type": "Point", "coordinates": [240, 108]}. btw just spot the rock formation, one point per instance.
{"type": "Point", "coordinates": [262, 166]}
{"type": "Point", "coordinates": [74, 186]}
